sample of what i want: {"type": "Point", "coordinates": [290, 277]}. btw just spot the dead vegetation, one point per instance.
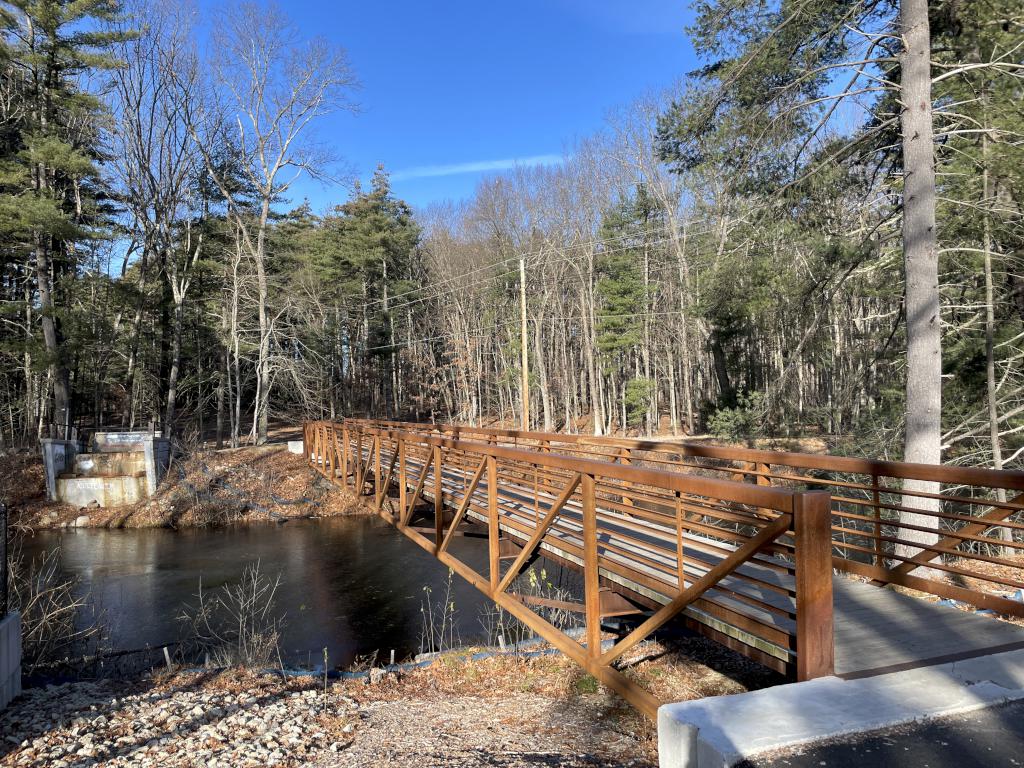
{"type": "Point", "coordinates": [58, 617]}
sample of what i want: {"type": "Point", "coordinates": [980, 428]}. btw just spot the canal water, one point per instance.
{"type": "Point", "coordinates": [354, 585]}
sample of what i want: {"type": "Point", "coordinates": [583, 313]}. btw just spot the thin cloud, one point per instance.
{"type": "Point", "coordinates": [478, 166]}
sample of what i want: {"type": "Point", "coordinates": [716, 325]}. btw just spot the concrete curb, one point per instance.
{"type": "Point", "coordinates": [722, 731]}
{"type": "Point", "coordinates": [10, 658]}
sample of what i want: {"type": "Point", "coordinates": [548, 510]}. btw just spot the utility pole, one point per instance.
{"type": "Point", "coordinates": [524, 340]}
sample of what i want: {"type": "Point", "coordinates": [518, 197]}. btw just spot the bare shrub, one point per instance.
{"type": "Point", "coordinates": [237, 625]}
{"type": "Point", "coordinates": [58, 619]}
{"type": "Point", "coordinates": [499, 626]}
{"type": "Point", "coordinates": [440, 628]}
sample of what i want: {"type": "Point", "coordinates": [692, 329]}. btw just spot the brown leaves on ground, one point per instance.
{"type": "Point", "coordinates": [21, 479]}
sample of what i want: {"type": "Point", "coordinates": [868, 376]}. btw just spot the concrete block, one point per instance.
{"type": "Point", "coordinates": [58, 458]}
{"type": "Point", "coordinates": [157, 452]}
{"type": "Point", "coordinates": [10, 658]}
{"type": "Point", "coordinates": [105, 442]}
{"type": "Point", "coordinates": [122, 468]}
{"type": "Point", "coordinates": [295, 446]}
{"type": "Point", "coordinates": [724, 730]}
{"type": "Point", "coordinates": [110, 464]}
{"type": "Point", "coordinates": [103, 491]}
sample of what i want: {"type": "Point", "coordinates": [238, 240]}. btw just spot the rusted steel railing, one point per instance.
{"type": "Point", "coordinates": [974, 541]}
{"type": "Point", "coordinates": [747, 564]}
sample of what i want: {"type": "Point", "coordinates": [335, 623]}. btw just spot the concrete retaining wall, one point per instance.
{"type": "Point", "coordinates": [10, 658]}
{"type": "Point", "coordinates": [158, 459]}
{"type": "Point", "coordinates": [58, 458]}
{"type": "Point", "coordinates": [104, 491]}
{"type": "Point", "coordinates": [120, 468]}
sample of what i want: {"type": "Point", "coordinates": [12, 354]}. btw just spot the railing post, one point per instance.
{"type": "Point", "coordinates": [680, 554]}
{"type": "Point", "coordinates": [357, 473]}
{"type": "Point", "coordinates": [317, 446]}
{"type": "Point", "coordinates": [626, 457]}
{"type": "Point", "coordinates": [378, 479]}
{"type": "Point", "coordinates": [344, 454]}
{"type": "Point", "coordinates": [438, 500]}
{"type": "Point", "coordinates": [402, 492]}
{"type": "Point", "coordinates": [815, 640]}
{"type": "Point", "coordinates": [493, 529]}
{"type": "Point", "coordinates": [760, 479]}
{"type": "Point", "coordinates": [591, 582]}
{"type": "Point", "coordinates": [329, 457]}
{"type": "Point", "coordinates": [305, 440]}
{"type": "Point", "coordinates": [876, 499]}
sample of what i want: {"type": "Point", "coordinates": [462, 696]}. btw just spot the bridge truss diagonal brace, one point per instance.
{"type": "Point", "coordinates": [668, 611]}
{"type": "Point", "coordinates": [411, 505]}
{"type": "Point", "coordinates": [539, 533]}
{"type": "Point", "coordinates": [365, 466]}
{"type": "Point", "coordinates": [990, 519]}
{"type": "Point", "coordinates": [618, 682]}
{"type": "Point", "coordinates": [383, 490]}
{"type": "Point", "coordinates": [460, 513]}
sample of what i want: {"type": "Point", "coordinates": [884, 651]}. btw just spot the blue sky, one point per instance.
{"type": "Point", "coordinates": [454, 90]}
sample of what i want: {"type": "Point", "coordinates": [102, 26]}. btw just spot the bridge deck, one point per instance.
{"type": "Point", "coordinates": [876, 630]}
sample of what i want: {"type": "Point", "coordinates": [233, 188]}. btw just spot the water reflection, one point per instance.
{"type": "Point", "coordinates": [352, 585]}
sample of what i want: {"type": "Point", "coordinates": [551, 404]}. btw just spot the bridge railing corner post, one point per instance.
{"type": "Point", "coordinates": [815, 636]}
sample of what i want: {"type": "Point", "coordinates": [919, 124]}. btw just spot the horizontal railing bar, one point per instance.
{"type": "Point", "coordinates": [778, 499]}
{"type": "Point", "coordinates": [924, 529]}
{"type": "Point", "coordinates": [978, 476]}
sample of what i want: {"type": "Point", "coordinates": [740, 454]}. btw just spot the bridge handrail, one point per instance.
{"type": "Point", "coordinates": [949, 534]}
{"type": "Point", "coordinates": [947, 474]}
{"type": "Point", "coordinates": [778, 499]}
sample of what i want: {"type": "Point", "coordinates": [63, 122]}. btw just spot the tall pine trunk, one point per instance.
{"type": "Point", "coordinates": [920, 256]}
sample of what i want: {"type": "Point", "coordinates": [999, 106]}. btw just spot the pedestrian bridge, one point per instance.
{"type": "Point", "coordinates": [779, 556]}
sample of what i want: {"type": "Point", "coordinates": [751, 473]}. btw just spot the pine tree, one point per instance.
{"type": "Point", "coordinates": [51, 201]}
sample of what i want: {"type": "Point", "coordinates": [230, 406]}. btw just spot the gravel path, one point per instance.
{"type": "Point", "coordinates": [201, 720]}
{"type": "Point", "coordinates": [527, 730]}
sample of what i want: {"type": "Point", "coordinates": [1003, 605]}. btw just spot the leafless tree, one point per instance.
{"type": "Point", "coordinates": [269, 89]}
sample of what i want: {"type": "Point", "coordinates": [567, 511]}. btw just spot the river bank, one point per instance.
{"type": "Point", "coordinates": [208, 487]}
{"type": "Point", "coordinates": [503, 710]}
{"type": "Point", "coordinates": [249, 719]}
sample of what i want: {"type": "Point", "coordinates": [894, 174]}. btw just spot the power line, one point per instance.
{"type": "Point", "coordinates": [547, 263]}
{"type": "Point", "coordinates": [532, 255]}
{"type": "Point", "coordinates": [478, 332]}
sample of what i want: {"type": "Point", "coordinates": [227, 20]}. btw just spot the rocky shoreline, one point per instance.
{"type": "Point", "coordinates": [236, 718]}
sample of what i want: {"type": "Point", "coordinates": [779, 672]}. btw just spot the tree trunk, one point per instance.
{"type": "Point", "coordinates": [172, 377]}
{"type": "Point", "coordinates": [263, 360]}
{"type": "Point", "coordinates": [920, 255]}
{"type": "Point", "coordinates": [58, 369]}
{"type": "Point", "coordinates": [990, 348]}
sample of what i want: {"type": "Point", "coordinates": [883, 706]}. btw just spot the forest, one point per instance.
{"type": "Point", "coordinates": [817, 233]}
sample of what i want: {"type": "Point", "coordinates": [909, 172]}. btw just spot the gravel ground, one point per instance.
{"type": "Point", "coordinates": [211, 720]}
